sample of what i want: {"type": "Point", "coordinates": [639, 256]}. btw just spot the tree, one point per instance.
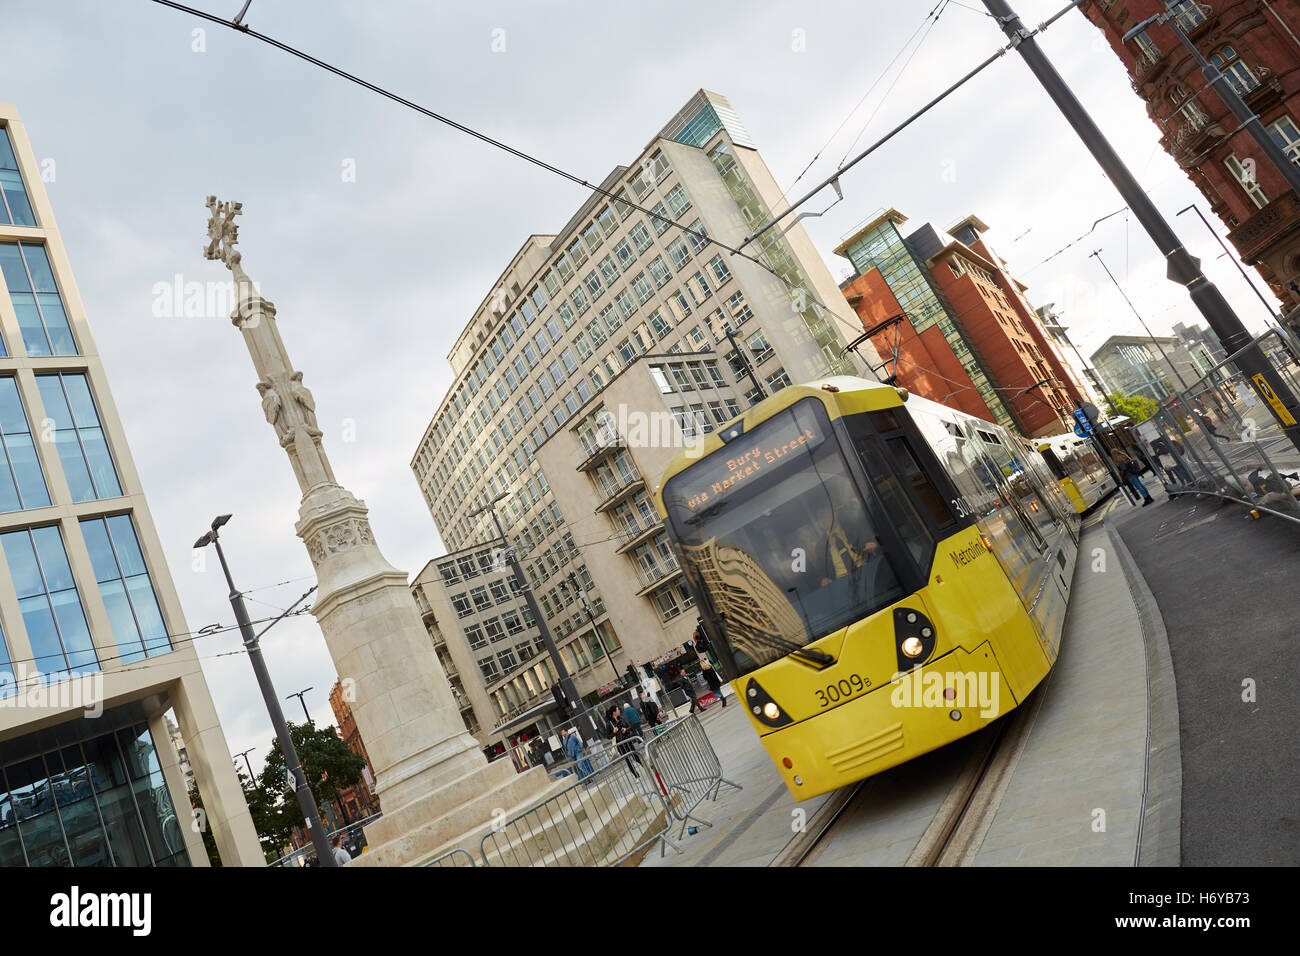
{"type": "Point", "coordinates": [328, 763]}
{"type": "Point", "coordinates": [269, 818]}
{"type": "Point", "coordinates": [1137, 407]}
{"type": "Point", "coordinates": [209, 841]}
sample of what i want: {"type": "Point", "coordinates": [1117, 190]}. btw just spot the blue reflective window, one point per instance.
{"type": "Point", "coordinates": [78, 437]}
{"type": "Point", "coordinates": [125, 586]}
{"type": "Point", "coordinates": [22, 485]}
{"type": "Point", "coordinates": [14, 207]}
{"type": "Point", "coordinates": [49, 602]}
{"type": "Point", "coordinates": [35, 296]}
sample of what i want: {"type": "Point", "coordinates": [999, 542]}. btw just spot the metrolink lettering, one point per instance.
{"type": "Point", "coordinates": [75, 909]}
{"type": "Point", "coordinates": [966, 555]}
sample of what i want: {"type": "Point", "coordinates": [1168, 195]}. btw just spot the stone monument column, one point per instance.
{"type": "Point", "coordinates": [426, 764]}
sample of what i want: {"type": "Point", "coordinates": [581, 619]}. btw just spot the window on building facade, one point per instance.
{"type": "Point", "coordinates": [677, 201]}
{"type": "Point", "coordinates": [22, 484]}
{"type": "Point", "coordinates": [14, 206]}
{"type": "Point", "coordinates": [36, 301]}
{"type": "Point", "coordinates": [1244, 173]}
{"type": "Point", "coordinates": [661, 219]}
{"type": "Point", "coordinates": [49, 602]}
{"type": "Point", "coordinates": [1188, 14]}
{"type": "Point", "coordinates": [78, 437]}
{"type": "Point", "coordinates": [1287, 135]}
{"type": "Point", "coordinates": [125, 587]}
{"type": "Point", "coordinates": [1241, 77]}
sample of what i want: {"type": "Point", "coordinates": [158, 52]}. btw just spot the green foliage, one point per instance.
{"type": "Point", "coordinates": [330, 767]}
{"type": "Point", "coordinates": [1137, 407]}
{"type": "Point", "coordinates": [209, 841]}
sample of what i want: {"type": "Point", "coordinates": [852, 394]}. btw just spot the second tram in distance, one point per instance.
{"type": "Point", "coordinates": [882, 574]}
{"type": "Point", "coordinates": [1078, 468]}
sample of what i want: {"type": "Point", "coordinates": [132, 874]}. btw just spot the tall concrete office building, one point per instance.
{"type": "Point", "coordinates": [94, 648]}
{"type": "Point", "coordinates": [572, 314]}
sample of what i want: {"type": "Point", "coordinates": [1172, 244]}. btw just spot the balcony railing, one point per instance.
{"type": "Point", "coordinates": [596, 444]}
{"type": "Point", "coordinates": [634, 531]}
{"type": "Point", "coordinates": [610, 489]}
{"type": "Point", "coordinates": [654, 573]}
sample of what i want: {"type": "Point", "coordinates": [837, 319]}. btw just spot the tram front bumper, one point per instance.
{"type": "Point", "coordinates": [932, 705]}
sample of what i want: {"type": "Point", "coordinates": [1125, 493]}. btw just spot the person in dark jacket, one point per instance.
{"type": "Point", "coordinates": [623, 736]}
{"type": "Point", "coordinates": [651, 710]}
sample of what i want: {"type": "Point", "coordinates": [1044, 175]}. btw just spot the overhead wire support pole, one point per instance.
{"type": "Point", "coordinates": [1183, 267]}
{"type": "Point", "coordinates": [900, 127]}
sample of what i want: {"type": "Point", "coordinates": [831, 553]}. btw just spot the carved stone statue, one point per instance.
{"type": "Point", "coordinates": [305, 402]}
{"type": "Point", "coordinates": [272, 408]}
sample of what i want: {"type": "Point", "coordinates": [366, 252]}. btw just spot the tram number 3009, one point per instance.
{"type": "Point", "coordinates": [842, 690]}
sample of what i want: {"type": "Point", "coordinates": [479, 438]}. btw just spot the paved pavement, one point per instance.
{"type": "Point", "coordinates": [1228, 591]}
{"type": "Point", "coordinates": [1087, 752]}
{"type": "Point", "coordinates": [1076, 796]}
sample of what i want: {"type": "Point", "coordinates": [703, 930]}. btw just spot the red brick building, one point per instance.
{"type": "Point", "coordinates": [1256, 44]}
{"type": "Point", "coordinates": [952, 326]}
{"type": "Point", "coordinates": [359, 800]}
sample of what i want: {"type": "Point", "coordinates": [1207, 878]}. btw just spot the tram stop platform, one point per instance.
{"type": "Point", "coordinates": [1092, 778]}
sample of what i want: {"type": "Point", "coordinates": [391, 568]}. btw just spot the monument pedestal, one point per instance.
{"type": "Point", "coordinates": [434, 783]}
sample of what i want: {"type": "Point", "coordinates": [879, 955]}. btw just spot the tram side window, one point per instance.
{"type": "Point", "coordinates": [1054, 463]}
{"type": "Point", "coordinates": [907, 522]}
{"type": "Point", "coordinates": [922, 487]}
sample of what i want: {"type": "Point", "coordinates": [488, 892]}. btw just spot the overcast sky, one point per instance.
{"type": "Point", "coordinates": [374, 278]}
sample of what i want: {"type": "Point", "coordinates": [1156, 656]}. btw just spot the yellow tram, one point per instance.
{"type": "Point", "coordinates": [882, 574]}
{"type": "Point", "coordinates": [1082, 474]}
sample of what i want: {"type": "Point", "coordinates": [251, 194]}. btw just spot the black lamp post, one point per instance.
{"type": "Point", "coordinates": [324, 853]}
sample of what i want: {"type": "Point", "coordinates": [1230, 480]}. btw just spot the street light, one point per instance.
{"type": "Point", "coordinates": [299, 695]}
{"type": "Point", "coordinates": [324, 854]}
{"type": "Point", "coordinates": [1235, 261]}
{"type": "Point", "coordinates": [591, 618]}
{"type": "Point", "coordinates": [247, 764]}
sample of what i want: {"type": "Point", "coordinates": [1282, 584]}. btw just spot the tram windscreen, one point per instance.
{"type": "Point", "coordinates": [772, 529]}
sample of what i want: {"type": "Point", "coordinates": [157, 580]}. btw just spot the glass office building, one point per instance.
{"type": "Point", "coordinates": [90, 662]}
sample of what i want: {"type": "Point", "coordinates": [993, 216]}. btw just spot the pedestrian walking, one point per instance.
{"type": "Point", "coordinates": [623, 737]}
{"type": "Point", "coordinates": [1130, 470]}
{"type": "Point", "coordinates": [1174, 472]}
{"type": "Point", "coordinates": [678, 677]}
{"type": "Point", "coordinates": [341, 856]}
{"type": "Point", "coordinates": [632, 718]}
{"type": "Point", "coordinates": [1208, 422]}
{"type": "Point", "coordinates": [651, 710]}
{"type": "Point", "coordinates": [574, 748]}
{"type": "Point", "coordinates": [711, 678]}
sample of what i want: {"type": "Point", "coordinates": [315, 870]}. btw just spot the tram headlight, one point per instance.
{"type": "Point", "coordinates": [914, 637]}
{"type": "Point", "coordinates": [762, 707]}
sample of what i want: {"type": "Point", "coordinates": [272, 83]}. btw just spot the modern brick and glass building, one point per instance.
{"type": "Point", "coordinates": [572, 314]}
{"type": "Point", "coordinates": [1153, 367]}
{"type": "Point", "coordinates": [89, 616]}
{"type": "Point", "coordinates": [950, 324]}
{"type": "Point", "coordinates": [1256, 44]}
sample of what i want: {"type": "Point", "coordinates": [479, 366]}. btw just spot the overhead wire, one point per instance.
{"type": "Point", "coordinates": [932, 20]}
{"type": "Point", "coordinates": [863, 99]}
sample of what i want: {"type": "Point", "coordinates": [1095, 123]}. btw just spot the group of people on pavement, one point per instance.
{"type": "Point", "coordinates": [637, 718]}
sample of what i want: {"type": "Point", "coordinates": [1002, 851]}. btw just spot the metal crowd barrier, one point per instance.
{"type": "Point", "coordinates": [687, 770]}
{"type": "Point", "coordinates": [453, 858]}
{"type": "Point", "coordinates": [617, 811]}
{"type": "Point", "coordinates": [1221, 438]}
{"type": "Point", "coordinates": [601, 820]}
